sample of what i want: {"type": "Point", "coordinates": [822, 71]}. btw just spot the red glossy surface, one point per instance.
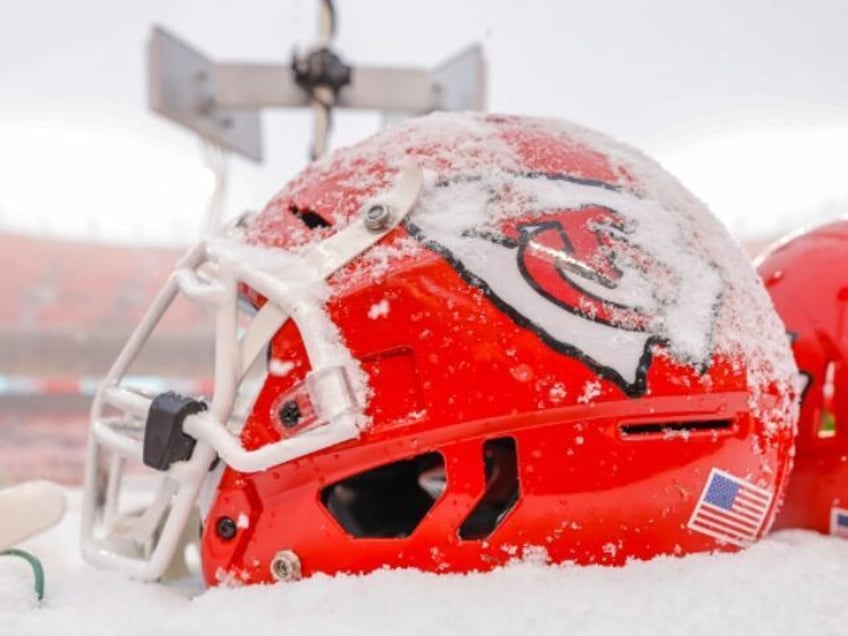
{"type": "Point", "coordinates": [807, 278]}
{"type": "Point", "coordinates": [449, 370]}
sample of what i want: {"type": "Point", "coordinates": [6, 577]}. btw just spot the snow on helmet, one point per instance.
{"type": "Point", "coordinates": [486, 336]}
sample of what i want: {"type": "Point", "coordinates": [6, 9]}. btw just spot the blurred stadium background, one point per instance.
{"type": "Point", "coordinates": [68, 308]}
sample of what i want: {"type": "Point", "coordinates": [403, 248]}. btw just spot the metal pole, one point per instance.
{"type": "Point", "coordinates": [323, 97]}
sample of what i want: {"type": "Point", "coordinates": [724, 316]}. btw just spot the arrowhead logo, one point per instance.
{"type": "Point", "coordinates": [573, 265]}
{"type": "Point", "coordinates": [569, 258]}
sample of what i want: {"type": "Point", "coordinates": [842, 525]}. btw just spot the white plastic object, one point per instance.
{"type": "Point", "coordinates": [27, 509]}
{"type": "Point", "coordinates": [144, 544]}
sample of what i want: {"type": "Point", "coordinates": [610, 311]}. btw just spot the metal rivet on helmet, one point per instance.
{"type": "Point", "coordinates": [378, 217]}
{"type": "Point", "coordinates": [285, 566]}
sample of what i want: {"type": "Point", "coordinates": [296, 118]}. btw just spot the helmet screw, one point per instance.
{"type": "Point", "coordinates": [290, 414]}
{"type": "Point", "coordinates": [225, 528]}
{"type": "Point", "coordinates": [285, 566]}
{"type": "Point", "coordinates": [378, 217]}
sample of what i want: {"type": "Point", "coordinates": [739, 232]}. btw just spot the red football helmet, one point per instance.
{"type": "Point", "coordinates": [485, 336]}
{"type": "Point", "coordinates": [807, 277]}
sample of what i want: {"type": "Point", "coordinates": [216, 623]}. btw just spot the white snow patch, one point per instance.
{"type": "Point", "coordinates": [610, 548]}
{"type": "Point", "coordinates": [670, 433]}
{"type": "Point", "coordinates": [591, 390]}
{"type": "Point", "coordinates": [280, 368]}
{"type": "Point", "coordinates": [758, 591]}
{"type": "Point", "coordinates": [535, 554]}
{"type": "Point", "coordinates": [557, 393]}
{"type": "Point", "coordinates": [379, 310]}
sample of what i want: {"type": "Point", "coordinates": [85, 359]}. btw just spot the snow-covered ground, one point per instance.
{"type": "Point", "coordinates": [792, 583]}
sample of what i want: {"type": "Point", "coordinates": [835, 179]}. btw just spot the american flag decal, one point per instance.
{"type": "Point", "coordinates": [839, 522]}
{"type": "Point", "coordinates": [730, 509]}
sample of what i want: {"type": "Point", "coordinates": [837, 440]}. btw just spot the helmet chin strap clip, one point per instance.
{"type": "Point", "coordinates": [165, 442]}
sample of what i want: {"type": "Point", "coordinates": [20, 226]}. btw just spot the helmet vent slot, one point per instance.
{"type": "Point", "coordinates": [671, 428]}
{"type": "Point", "coordinates": [387, 502]}
{"type": "Point", "coordinates": [502, 490]}
{"type": "Point", "coordinates": [310, 218]}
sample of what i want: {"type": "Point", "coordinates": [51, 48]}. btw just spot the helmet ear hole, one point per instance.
{"type": "Point", "coordinates": [386, 502]}
{"type": "Point", "coordinates": [502, 490]}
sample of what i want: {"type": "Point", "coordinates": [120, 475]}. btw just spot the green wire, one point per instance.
{"type": "Point", "coordinates": [37, 570]}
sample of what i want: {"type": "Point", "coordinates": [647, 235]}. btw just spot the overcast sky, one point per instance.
{"type": "Point", "coordinates": [747, 102]}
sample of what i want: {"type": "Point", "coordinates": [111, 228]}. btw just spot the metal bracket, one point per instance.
{"type": "Point", "coordinates": [222, 101]}
{"type": "Point", "coordinates": [181, 85]}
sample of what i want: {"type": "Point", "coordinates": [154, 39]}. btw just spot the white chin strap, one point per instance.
{"type": "Point", "coordinates": [144, 544]}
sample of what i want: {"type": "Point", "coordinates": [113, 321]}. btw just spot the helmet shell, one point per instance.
{"type": "Point", "coordinates": [559, 350]}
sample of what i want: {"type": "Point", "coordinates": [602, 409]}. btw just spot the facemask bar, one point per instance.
{"type": "Point", "coordinates": [143, 545]}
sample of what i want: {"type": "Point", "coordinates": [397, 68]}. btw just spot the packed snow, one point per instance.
{"type": "Point", "coordinates": [484, 172]}
{"type": "Point", "coordinates": [790, 583]}
{"type": "Point", "coordinates": [379, 310]}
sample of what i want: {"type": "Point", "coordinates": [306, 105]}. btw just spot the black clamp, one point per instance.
{"type": "Point", "coordinates": [321, 68]}
{"type": "Point", "coordinates": [164, 439]}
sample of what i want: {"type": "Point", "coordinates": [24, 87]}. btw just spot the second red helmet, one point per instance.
{"type": "Point", "coordinates": [807, 277]}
